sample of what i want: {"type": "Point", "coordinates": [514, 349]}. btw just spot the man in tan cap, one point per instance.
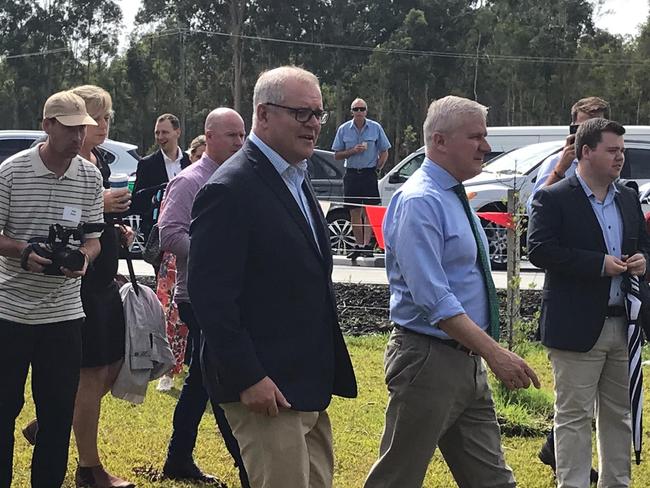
{"type": "Point", "coordinates": [40, 305]}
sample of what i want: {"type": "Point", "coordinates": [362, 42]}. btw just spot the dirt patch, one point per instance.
{"type": "Point", "coordinates": [363, 308]}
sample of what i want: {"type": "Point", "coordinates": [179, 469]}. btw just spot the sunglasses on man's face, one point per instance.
{"type": "Point", "coordinates": [358, 109]}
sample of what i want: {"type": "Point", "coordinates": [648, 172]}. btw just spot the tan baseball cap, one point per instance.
{"type": "Point", "coordinates": [67, 108]}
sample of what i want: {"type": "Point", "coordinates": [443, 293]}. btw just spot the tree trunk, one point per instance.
{"type": "Point", "coordinates": [236, 24]}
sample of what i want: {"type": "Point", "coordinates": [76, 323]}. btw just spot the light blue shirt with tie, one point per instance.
{"type": "Point", "coordinates": [431, 256]}
{"type": "Point", "coordinates": [293, 176]}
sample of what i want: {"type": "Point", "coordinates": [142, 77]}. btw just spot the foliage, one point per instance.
{"type": "Point", "coordinates": [527, 60]}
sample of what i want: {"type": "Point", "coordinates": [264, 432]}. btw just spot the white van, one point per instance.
{"type": "Point", "coordinates": [501, 140]}
{"type": "Point", "coordinates": [518, 169]}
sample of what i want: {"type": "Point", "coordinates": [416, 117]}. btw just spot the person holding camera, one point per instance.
{"type": "Point", "coordinates": [102, 335]}
{"type": "Point", "coordinates": [47, 194]}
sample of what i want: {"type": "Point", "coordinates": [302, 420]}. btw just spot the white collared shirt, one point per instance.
{"type": "Point", "coordinates": [173, 167]}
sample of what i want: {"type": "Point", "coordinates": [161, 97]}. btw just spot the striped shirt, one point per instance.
{"type": "Point", "coordinates": [31, 199]}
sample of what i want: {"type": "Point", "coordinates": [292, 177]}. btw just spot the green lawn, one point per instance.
{"type": "Point", "coordinates": [136, 436]}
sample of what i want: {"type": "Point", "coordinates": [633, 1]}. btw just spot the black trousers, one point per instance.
{"type": "Point", "coordinates": [192, 403]}
{"type": "Point", "coordinates": [54, 353]}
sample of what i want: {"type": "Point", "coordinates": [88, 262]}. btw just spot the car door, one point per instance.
{"type": "Point", "coordinates": [326, 179]}
{"type": "Point", "coordinates": [390, 183]}
{"type": "Point", "coordinates": [11, 145]}
{"type": "Point", "coordinates": [637, 162]}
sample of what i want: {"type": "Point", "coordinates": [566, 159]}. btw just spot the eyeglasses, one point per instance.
{"type": "Point", "coordinates": [304, 115]}
{"type": "Point", "coordinates": [359, 109]}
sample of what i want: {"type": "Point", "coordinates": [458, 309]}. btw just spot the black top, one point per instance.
{"type": "Point", "coordinates": [104, 268]}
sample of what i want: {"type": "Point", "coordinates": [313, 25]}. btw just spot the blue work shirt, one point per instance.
{"type": "Point", "coordinates": [293, 176]}
{"type": "Point", "coordinates": [545, 170]}
{"type": "Point", "coordinates": [611, 225]}
{"type": "Point", "coordinates": [372, 133]}
{"type": "Point", "coordinates": [431, 256]}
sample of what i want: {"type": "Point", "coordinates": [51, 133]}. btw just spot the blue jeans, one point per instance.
{"type": "Point", "coordinates": [192, 403]}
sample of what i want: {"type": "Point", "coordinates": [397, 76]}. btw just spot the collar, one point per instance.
{"type": "Point", "coordinates": [39, 168]}
{"type": "Point", "coordinates": [611, 190]}
{"type": "Point", "coordinates": [207, 160]}
{"type": "Point", "coordinates": [278, 162]}
{"type": "Point", "coordinates": [179, 156]}
{"type": "Point", "coordinates": [439, 174]}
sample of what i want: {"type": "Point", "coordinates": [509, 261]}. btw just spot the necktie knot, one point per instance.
{"type": "Point", "coordinates": [459, 189]}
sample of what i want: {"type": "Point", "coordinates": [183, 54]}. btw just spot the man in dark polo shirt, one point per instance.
{"type": "Point", "coordinates": [364, 146]}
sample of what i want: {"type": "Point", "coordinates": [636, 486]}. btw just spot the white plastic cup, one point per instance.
{"type": "Point", "coordinates": [119, 180]}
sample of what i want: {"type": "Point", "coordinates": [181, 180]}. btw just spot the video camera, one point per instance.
{"type": "Point", "coordinates": [56, 248]}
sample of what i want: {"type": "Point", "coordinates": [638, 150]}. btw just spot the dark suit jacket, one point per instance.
{"type": "Point", "coordinates": [565, 239]}
{"type": "Point", "coordinates": [261, 290]}
{"type": "Point", "coordinates": [151, 173]}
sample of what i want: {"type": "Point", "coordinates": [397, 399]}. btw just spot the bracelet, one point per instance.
{"type": "Point", "coordinates": [558, 174]}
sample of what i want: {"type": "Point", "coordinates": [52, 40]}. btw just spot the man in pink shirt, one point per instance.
{"type": "Point", "coordinates": [224, 135]}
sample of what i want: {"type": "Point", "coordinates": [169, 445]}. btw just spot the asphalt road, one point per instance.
{"type": "Point", "coordinates": [530, 277]}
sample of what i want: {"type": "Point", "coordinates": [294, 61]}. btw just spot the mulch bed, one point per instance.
{"type": "Point", "coordinates": [363, 308]}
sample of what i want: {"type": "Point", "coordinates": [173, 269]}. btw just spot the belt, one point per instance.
{"type": "Point", "coordinates": [360, 170]}
{"type": "Point", "coordinates": [615, 311]}
{"type": "Point", "coordinates": [447, 342]}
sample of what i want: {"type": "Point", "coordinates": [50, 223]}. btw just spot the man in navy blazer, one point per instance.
{"type": "Point", "coordinates": [158, 168]}
{"type": "Point", "coordinates": [259, 281]}
{"type": "Point", "coordinates": [587, 231]}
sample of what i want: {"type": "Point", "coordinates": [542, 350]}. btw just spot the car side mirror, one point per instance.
{"type": "Point", "coordinates": [396, 178]}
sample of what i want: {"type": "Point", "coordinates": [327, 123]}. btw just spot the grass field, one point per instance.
{"type": "Point", "coordinates": [136, 436]}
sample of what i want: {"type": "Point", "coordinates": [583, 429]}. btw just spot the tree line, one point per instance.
{"type": "Point", "coordinates": [527, 60]}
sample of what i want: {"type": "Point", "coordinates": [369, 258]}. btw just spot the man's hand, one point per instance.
{"type": "Point", "coordinates": [76, 274]}
{"type": "Point", "coordinates": [511, 370]}
{"type": "Point", "coordinates": [636, 264]}
{"type": "Point", "coordinates": [117, 200]}
{"type": "Point", "coordinates": [567, 157]}
{"type": "Point", "coordinates": [264, 397]}
{"type": "Point", "coordinates": [615, 266]}
{"type": "Point", "coordinates": [36, 263]}
{"type": "Point", "coordinates": [359, 148]}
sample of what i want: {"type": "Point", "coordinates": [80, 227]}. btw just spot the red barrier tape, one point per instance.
{"type": "Point", "coordinates": [376, 216]}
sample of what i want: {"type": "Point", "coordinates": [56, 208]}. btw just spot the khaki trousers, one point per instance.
{"type": "Point", "coordinates": [292, 450]}
{"type": "Point", "coordinates": [582, 378]}
{"type": "Point", "coordinates": [438, 396]}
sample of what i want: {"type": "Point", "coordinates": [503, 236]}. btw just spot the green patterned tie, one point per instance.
{"type": "Point", "coordinates": [493, 299]}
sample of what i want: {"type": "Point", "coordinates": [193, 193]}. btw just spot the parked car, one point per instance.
{"type": "Point", "coordinates": [517, 169]}
{"type": "Point", "coordinates": [122, 158]}
{"type": "Point", "coordinates": [326, 175]}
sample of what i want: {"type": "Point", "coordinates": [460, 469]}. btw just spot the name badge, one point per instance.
{"type": "Point", "coordinates": [72, 214]}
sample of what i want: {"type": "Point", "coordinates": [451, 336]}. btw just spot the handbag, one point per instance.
{"type": "Point", "coordinates": [152, 253]}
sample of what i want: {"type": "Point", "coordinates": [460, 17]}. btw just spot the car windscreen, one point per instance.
{"type": "Point", "coordinates": [522, 160]}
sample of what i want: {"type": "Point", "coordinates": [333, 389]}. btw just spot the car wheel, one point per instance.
{"type": "Point", "coordinates": [139, 239]}
{"type": "Point", "coordinates": [497, 238]}
{"type": "Point", "coordinates": [340, 227]}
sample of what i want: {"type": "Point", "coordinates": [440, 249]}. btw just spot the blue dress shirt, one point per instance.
{"type": "Point", "coordinates": [431, 256]}
{"type": "Point", "coordinates": [611, 225]}
{"type": "Point", "coordinates": [372, 133]}
{"type": "Point", "coordinates": [545, 170]}
{"type": "Point", "coordinates": [293, 176]}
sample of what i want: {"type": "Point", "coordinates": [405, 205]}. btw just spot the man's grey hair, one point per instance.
{"type": "Point", "coordinates": [448, 113]}
{"type": "Point", "coordinates": [270, 85]}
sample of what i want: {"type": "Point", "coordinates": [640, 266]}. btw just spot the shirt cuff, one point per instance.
{"type": "Point", "coordinates": [445, 308]}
